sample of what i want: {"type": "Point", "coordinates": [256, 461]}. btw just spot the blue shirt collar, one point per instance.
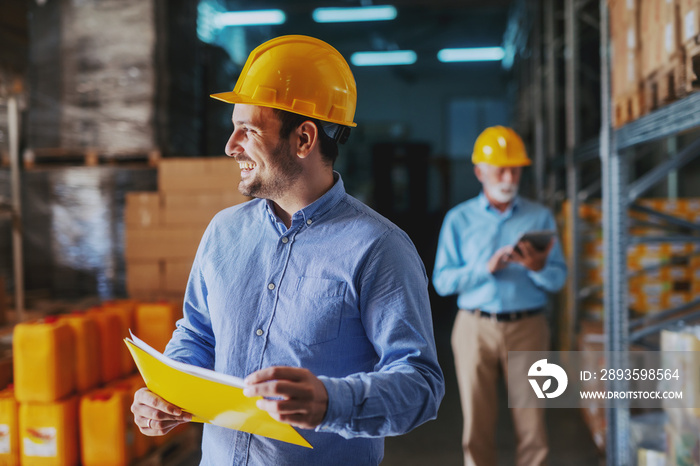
{"type": "Point", "coordinates": [313, 211]}
{"type": "Point", "coordinates": [486, 205]}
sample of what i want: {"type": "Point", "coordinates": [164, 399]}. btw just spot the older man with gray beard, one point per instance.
{"type": "Point", "coordinates": [502, 291]}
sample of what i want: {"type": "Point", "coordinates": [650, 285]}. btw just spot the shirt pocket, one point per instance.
{"type": "Point", "coordinates": [316, 312]}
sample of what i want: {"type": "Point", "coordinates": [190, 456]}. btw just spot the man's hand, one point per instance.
{"type": "Point", "coordinates": [155, 416]}
{"type": "Point", "coordinates": [499, 259]}
{"type": "Point", "coordinates": [530, 257]}
{"type": "Point", "coordinates": [300, 398]}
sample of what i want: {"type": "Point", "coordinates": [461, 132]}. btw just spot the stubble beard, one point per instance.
{"type": "Point", "coordinates": [285, 171]}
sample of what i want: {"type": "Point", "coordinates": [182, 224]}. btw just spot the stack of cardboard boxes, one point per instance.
{"type": "Point", "coordinates": [655, 54]}
{"type": "Point", "coordinates": [163, 228]}
{"type": "Point", "coordinates": [626, 61]}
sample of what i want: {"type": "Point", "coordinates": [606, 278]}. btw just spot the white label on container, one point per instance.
{"type": "Point", "coordinates": [655, 458]}
{"type": "Point", "coordinates": [669, 38]}
{"type": "Point", "coordinates": [689, 22]}
{"type": "Point", "coordinates": [631, 38]}
{"type": "Point", "coordinates": [40, 441]}
{"type": "Point", "coordinates": [5, 439]}
{"type": "Point", "coordinates": [630, 4]}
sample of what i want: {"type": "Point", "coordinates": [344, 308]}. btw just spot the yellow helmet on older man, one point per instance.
{"type": "Point", "coordinates": [500, 146]}
{"type": "Point", "coordinates": [299, 74]}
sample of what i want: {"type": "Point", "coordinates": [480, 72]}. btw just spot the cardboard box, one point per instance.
{"type": "Point", "coordinates": [197, 207]}
{"type": "Point", "coordinates": [142, 209]}
{"type": "Point", "coordinates": [176, 274]}
{"type": "Point", "coordinates": [143, 278]}
{"type": "Point", "coordinates": [626, 52]}
{"type": "Point", "coordinates": [182, 216]}
{"type": "Point", "coordinates": [198, 174]}
{"type": "Point", "coordinates": [162, 243]}
{"type": "Point", "coordinates": [215, 200]}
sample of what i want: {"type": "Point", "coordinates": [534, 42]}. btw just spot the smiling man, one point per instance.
{"type": "Point", "coordinates": [317, 301]}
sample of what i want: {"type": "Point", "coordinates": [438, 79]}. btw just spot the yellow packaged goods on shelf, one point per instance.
{"type": "Point", "coordinates": [9, 428]}
{"type": "Point", "coordinates": [126, 310]}
{"type": "Point", "coordinates": [129, 385]}
{"type": "Point", "coordinates": [43, 355]}
{"type": "Point", "coordinates": [155, 323]}
{"type": "Point", "coordinates": [110, 329]}
{"type": "Point", "coordinates": [87, 350]}
{"type": "Point", "coordinates": [106, 428]}
{"type": "Point", "coordinates": [49, 432]}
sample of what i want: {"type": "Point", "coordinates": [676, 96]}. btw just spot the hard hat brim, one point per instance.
{"type": "Point", "coordinates": [235, 98]}
{"type": "Point", "coordinates": [524, 163]}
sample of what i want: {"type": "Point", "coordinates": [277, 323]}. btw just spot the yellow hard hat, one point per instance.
{"type": "Point", "coordinates": [299, 74]}
{"type": "Point", "coordinates": [500, 146]}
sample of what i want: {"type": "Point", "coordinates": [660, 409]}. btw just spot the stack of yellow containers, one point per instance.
{"type": "Point", "coordinates": [44, 385]}
{"type": "Point", "coordinates": [73, 386]}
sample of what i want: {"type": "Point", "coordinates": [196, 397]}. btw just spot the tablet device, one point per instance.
{"type": "Point", "coordinates": [538, 239]}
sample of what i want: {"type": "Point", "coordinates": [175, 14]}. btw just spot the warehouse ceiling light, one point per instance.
{"type": "Point", "coordinates": [352, 14]}
{"type": "Point", "coordinates": [392, 57]}
{"type": "Point", "coordinates": [250, 18]}
{"type": "Point", "coordinates": [471, 54]}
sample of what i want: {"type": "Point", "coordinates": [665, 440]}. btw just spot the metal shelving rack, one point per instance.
{"type": "Point", "coordinates": [13, 207]}
{"type": "Point", "coordinates": [615, 151]}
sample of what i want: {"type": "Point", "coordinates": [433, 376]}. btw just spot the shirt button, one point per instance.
{"type": "Point", "coordinates": [271, 286]}
{"type": "Point", "coordinates": [308, 222]}
{"type": "Point", "coordinates": [285, 240]}
{"type": "Point", "coordinates": [259, 332]}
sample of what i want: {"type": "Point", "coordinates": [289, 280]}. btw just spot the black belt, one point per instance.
{"type": "Point", "coordinates": [506, 316]}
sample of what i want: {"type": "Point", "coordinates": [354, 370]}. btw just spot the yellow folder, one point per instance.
{"type": "Point", "coordinates": [209, 396]}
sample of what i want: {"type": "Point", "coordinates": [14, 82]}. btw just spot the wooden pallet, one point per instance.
{"type": "Point", "coordinates": [176, 450]}
{"type": "Point", "coordinates": [51, 157]}
{"type": "Point", "coordinates": [666, 84]}
{"type": "Point", "coordinates": [628, 107]}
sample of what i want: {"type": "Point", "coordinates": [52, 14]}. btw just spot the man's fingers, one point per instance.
{"type": "Point", "coordinates": [150, 406]}
{"type": "Point", "coordinates": [279, 388]}
{"type": "Point", "coordinates": [151, 427]}
{"type": "Point", "coordinates": [283, 406]}
{"type": "Point", "coordinates": [294, 374]}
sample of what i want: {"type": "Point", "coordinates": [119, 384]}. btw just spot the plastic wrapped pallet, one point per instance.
{"type": "Point", "coordinates": [119, 77]}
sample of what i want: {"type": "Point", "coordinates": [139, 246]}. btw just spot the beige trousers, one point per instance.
{"type": "Point", "coordinates": [480, 346]}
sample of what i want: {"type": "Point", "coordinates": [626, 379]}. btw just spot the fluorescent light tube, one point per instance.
{"type": "Point", "coordinates": [362, 13]}
{"type": "Point", "coordinates": [392, 57]}
{"type": "Point", "coordinates": [250, 18]}
{"type": "Point", "coordinates": [471, 54]}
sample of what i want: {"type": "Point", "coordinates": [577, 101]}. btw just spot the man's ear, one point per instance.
{"type": "Point", "coordinates": [478, 173]}
{"type": "Point", "coordinates": [307, 138]}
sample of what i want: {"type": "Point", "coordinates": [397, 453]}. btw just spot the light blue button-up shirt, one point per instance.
{"type": "Point", "coordinates": [342, 293]}
{"type": "Point", "coordinates": [471, 233]}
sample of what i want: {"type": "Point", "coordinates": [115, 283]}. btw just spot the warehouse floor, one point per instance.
{"type": "Point", "coordinates": [439, 441]}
